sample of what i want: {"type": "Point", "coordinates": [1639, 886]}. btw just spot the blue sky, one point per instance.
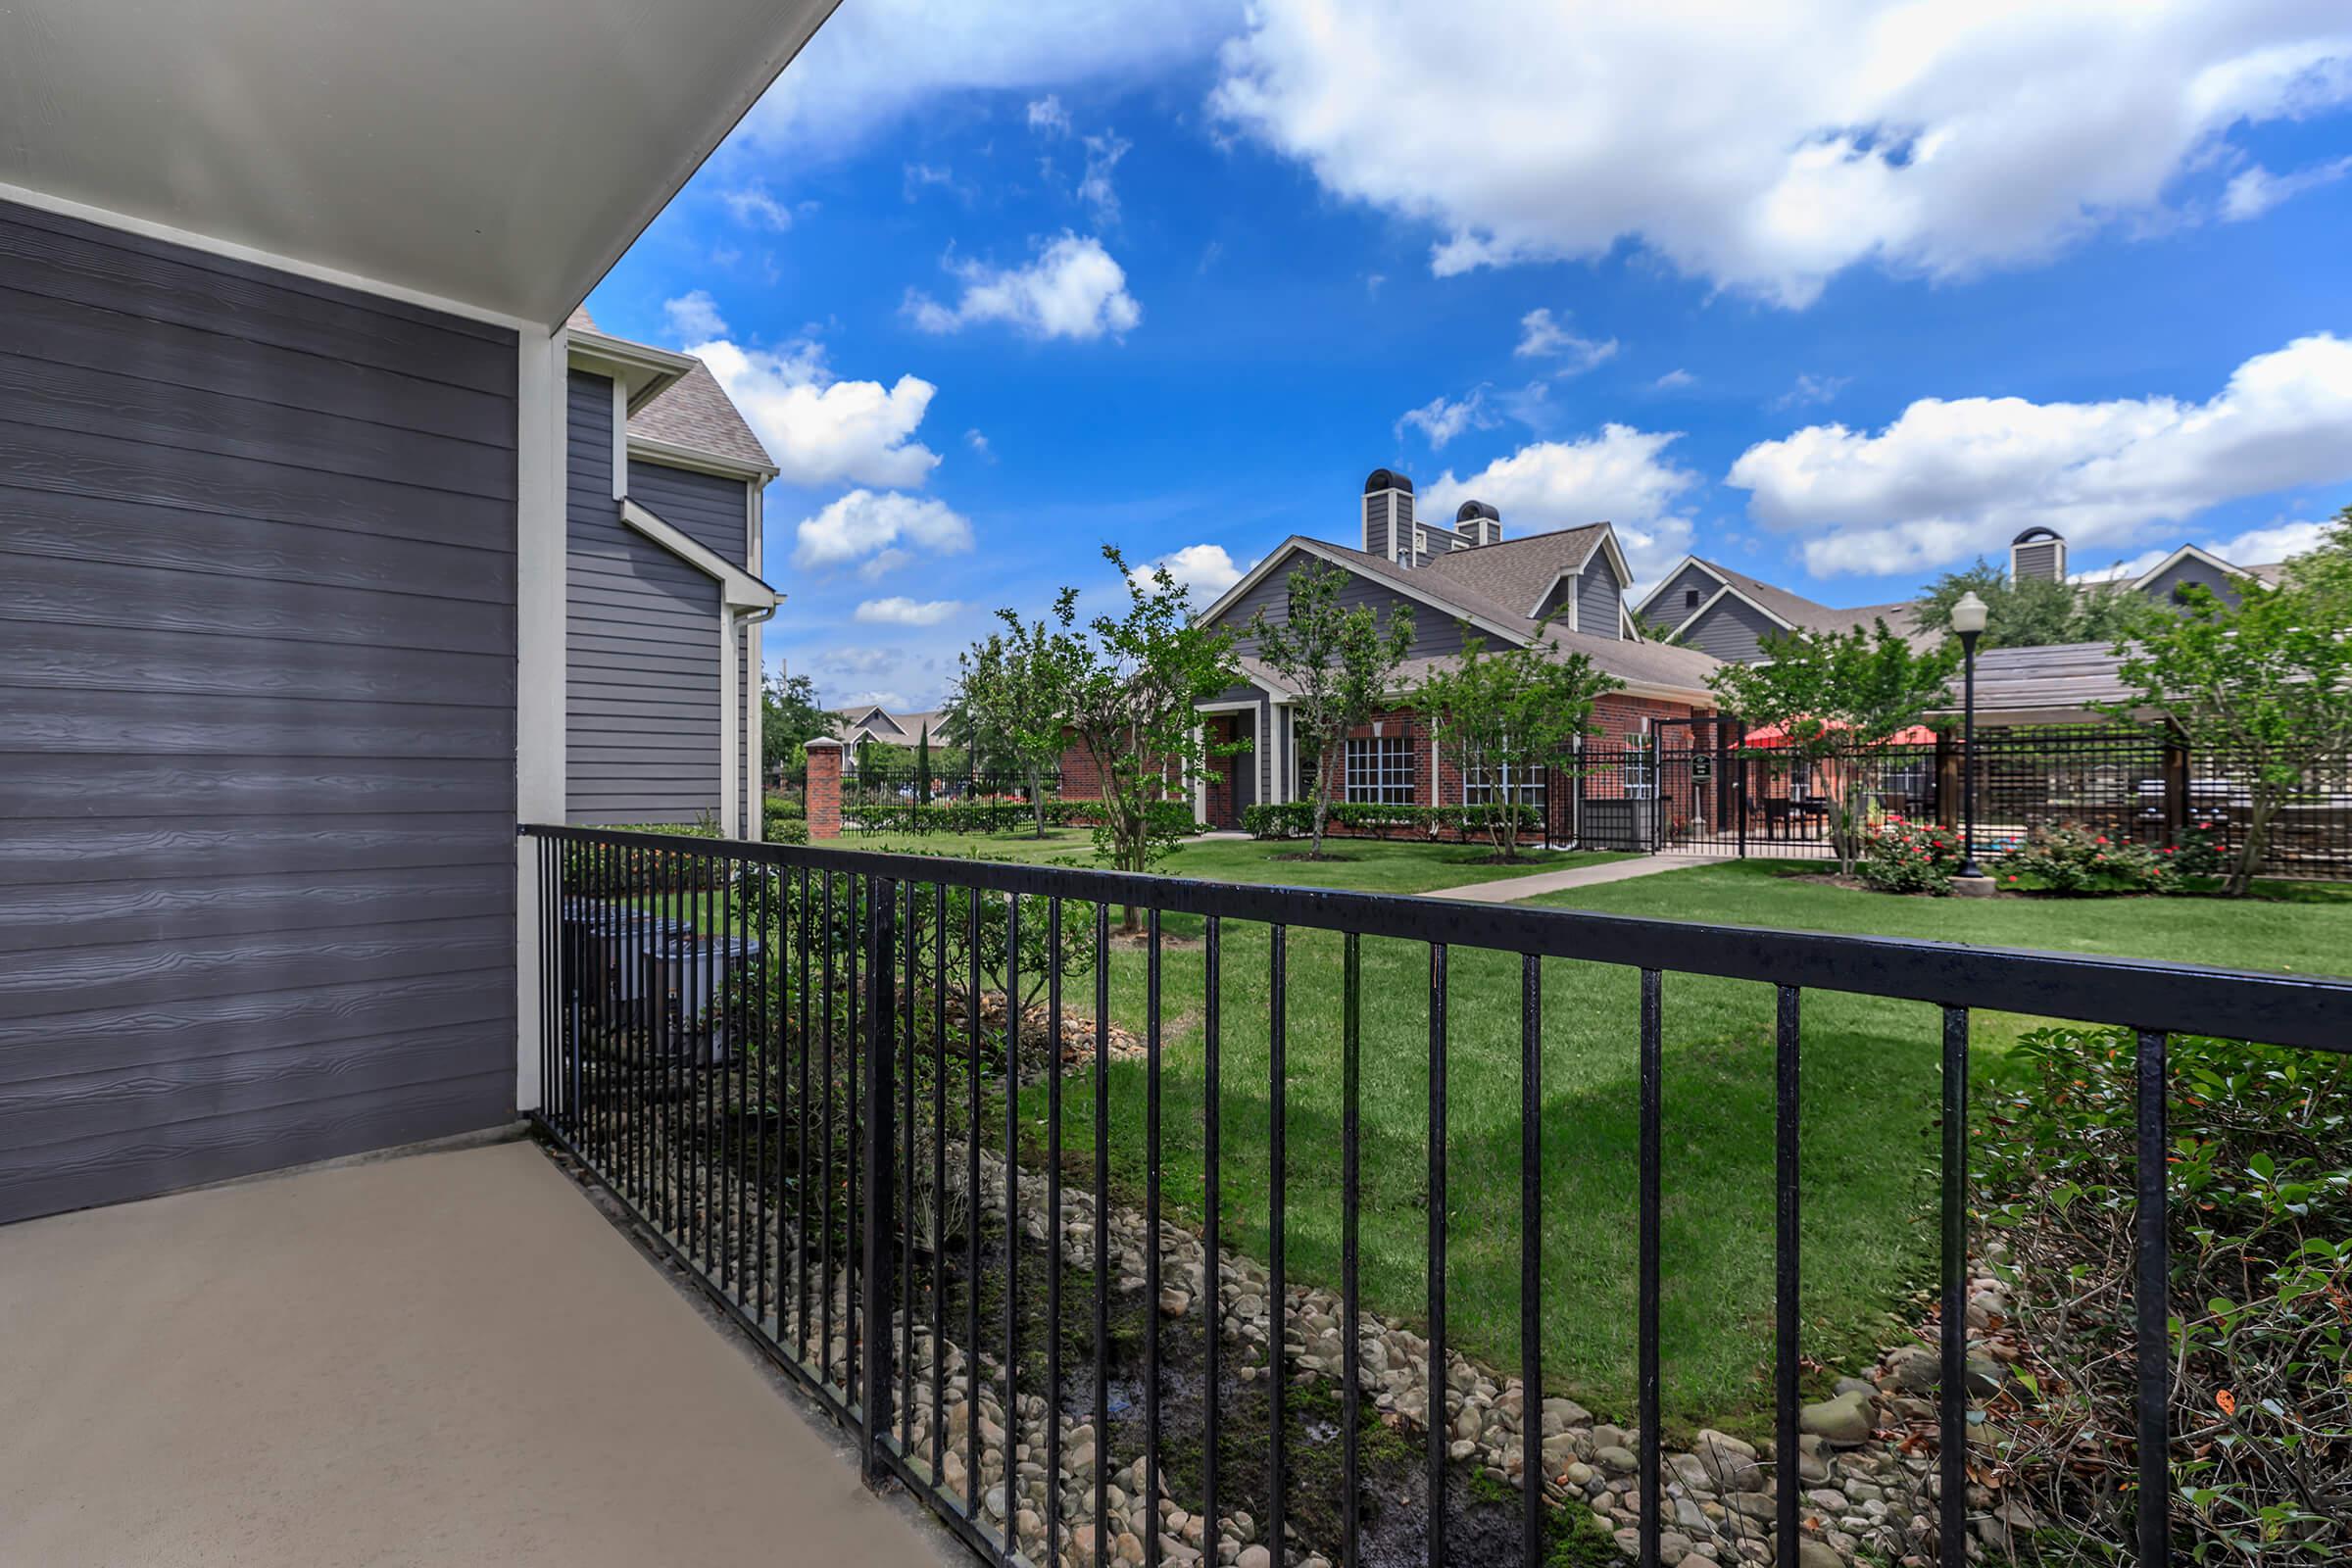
{"type": "Point", "coordinates": [1843, 300]}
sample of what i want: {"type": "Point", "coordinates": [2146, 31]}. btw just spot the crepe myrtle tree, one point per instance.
{"type": "Point", "coordinates": [2266, 684]}
{"type": "Point", "coordinates": [1507, 712]}
{"type": "Point", "coordinates": [1135, 680]}
{"type": "Point", "coordinates": [1012, 695]}
{"type": "Point", "coordinates": [1839, 692]}
{"type": "Point", "coordinates": [1338, 661]}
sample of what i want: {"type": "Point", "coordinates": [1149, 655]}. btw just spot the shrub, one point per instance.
{"type": "Point", "coordinates": [2202, 849]}
{"type": "Point", "coordinates": [631, 868]}
{"type": "Point", "coordinates": [2073, 860]}
{"type": "Point", "coordinates": [1294, 819]}
{"type": "Point", "coordinates": [1904, 857]}
{"type": "Point", "coordinates": [2259, 1175]}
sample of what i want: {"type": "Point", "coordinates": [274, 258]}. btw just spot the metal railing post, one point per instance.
{"type": "Point", "coordinates": [881, 1139]}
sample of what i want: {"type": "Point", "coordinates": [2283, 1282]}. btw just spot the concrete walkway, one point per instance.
{"type": "Point", "coordinates": [451, 1357]}
{"type": "Point", "coordinates": [1506, 890]}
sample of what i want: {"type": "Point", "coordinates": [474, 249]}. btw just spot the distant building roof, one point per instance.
{"type": "Point", "coordinates": [2059, 683]}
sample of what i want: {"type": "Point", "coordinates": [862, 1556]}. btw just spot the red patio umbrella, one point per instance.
{"type": "Point", "coordinates": [1774, 735]}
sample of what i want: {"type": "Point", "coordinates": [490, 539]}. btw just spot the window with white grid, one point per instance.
{"type": "Point", "coordinates": [1380, 770]}
{"type": "Point", "coordinates": [1492, 786]}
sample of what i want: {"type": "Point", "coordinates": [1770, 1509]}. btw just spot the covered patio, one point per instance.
{"type": "Point", "coordinates": [447, 1356]}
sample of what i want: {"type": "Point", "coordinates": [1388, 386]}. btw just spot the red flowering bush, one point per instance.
{"type": "Point", "coordinates": [2070, 858]}
{"type": "Point", "coordinates": [1903, 856]}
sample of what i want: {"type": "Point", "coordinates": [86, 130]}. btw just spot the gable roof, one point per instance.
{"type": "Point", "coordinates": [691, 418]}
{"type": "Point", "coordinates": [1520, 572]}
{"type": "Point", "coordinates": [2147, 579]}
{"type": "Point", "coordinates": [1647, 668]}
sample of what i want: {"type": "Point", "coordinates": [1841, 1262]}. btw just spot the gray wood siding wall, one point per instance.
{"type": "Point", "coordinates": [1435, 632]}
{"type": "Point", "coordinates": [640, 693]}
{"type": "Point", "coordinates": [2191, 570]}
{"type": "Point", "coordinates": [257, 698]}
{"type": "Point", "coordinates": [1733, 632]}
{"type": "Point", "coordinates": [1668, 610]}
{"type": "Point", "coordinates": [1598, 595]}
{"type": "Point", "coordinates": [714, 513]}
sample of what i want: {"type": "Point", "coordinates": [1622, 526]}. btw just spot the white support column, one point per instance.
{"type": "Point", "coordinates": [539, 664]}
{"type": "Point", "coordinates": [755, 814]}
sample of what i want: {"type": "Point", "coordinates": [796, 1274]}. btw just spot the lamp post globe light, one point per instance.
{"type": "Point", "coordinates": [1969, 617]}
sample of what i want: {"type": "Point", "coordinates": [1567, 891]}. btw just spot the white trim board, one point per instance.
{"type": "Point", "coordinates": [2140, 583]}
{"type": "Point", "coordinates": [738, 588]}
{"type": "Point", "coordinates": [672, 456]}
{"type": "Point", "coordinates": [1298, 544]}
{"type": "Point", "coordinates": [1672, 573]}
{"type": "Point", "coordinates": [540, 650]}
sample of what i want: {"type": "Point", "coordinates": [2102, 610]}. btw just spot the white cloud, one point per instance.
{"type": "Point", "coordinates": [1953, 478]}
{"type": "Point", "coordinates": [864, 523]}
{"type": "Point", "coordinates": [755, 207]}
{"type": "Point", "coordinates": [979, 445]}
{"type": "Point", "coordinates": [1205, 570]}
{"type": "Point", "coordinates": [921, 176]}
{"type": "Point", "coordinates": [1674, 380]}
{"type": "Point", "coordinates": [2254, 191]}
{"type": "Point", "coordinates": [876, 566]}
{"type": "Point", "coordinates": [1102, 155]}
{"type": "Point", "coordinates": [1620, 475]}
{"type": "Point", "coordinates": [900, 610]}
{"type": "Point", "coordinates": [1769, 148]}
{"type": "Point", "coordinates": [1542, 337]}
{"type": "Point", "coordinates": [1440, 421]}
{"type": "Point", "coordinates": [1048, 118]}
{"type": "Point", "coordinates": [878, 61]}
{"type": "Point", "coordinates": [694, 317]}
{"type": "Point", "coordinates": [1809, 389]}
{"type": "Point", "coordinates": [875, 697]}
{"type": "Point", "coordinates": [1073, 289]}
{"type": "Point", "coordinates": [820, 430]}
{"type": "Point", "coordinates": [2277, 541]}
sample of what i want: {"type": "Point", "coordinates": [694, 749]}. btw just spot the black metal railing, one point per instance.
{"type": "Point", "coordinates": [833, 1084]}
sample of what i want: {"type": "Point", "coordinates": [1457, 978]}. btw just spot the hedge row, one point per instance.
{"type": "Point", "coordinates": [1296, 820]}
{"type": "Point", "coordinates": [1002, 816]}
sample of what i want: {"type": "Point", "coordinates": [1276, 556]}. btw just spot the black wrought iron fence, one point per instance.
{"type": "Point", "coordinates": [838, 1086]}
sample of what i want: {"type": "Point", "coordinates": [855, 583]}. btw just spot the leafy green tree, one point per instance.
{"type": "Point", "coordinates": [1505, 714]}
{"type": "Point", "coordinates": [2266, 684]}
{"type": "Point", "coordinates": [1338, 660]}
{"type": "Point", "coordinates": [1013, 692]}
{"type": "Point", "coordinates": [1136, 678]}
{"type": "Point", "coordinates": [789, 719]}
{"type": "Point", "coordinates": [2326, 573]}
{"type": "Point", "coordinates": [922, 768]}
{"type": "Point", "coordinates": [1833, 692]}
{"type": "Point", "coordinates": [2034, 612]}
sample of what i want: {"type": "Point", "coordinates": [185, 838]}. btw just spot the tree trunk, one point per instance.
{"type": "Point", "coordinates": [2258, 834]}
{"type": "Point", "coordinates": [1036, 798]}
{"type": "Point", "coordinates": [1322, 808]}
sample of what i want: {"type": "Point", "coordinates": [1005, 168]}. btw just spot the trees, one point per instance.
{"type": "Point", "coordinates": [2033, 611]}
{"type": "Point", "coordinates": [1135, 678]}
{"type": "Point", "coordinates": [789, 719]}
{"type": "Point", "coordinates": [1499, 716]}
{"type": "Point", "coordinates": [1828, 692]}
{"type": "Point", "coordinates": [1338, 663]}
{"type": "Point", "coordinates": [1013, 694]}
{"type": "Point", "coordinates": [2265, 685]}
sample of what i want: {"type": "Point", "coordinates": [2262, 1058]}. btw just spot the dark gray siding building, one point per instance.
{"type": "Point", "coordinates": [714, 511]}
{"type": "Point", "coordinates": [2191, 570]}
{"type": "Point", "coordinates": [1599, 598]}
{"type": "Point", "coordinates": [1681, 597]}
{"type": "Point", "coordinates": [258, 710]}
{"type": "Point", "coordinates": [641, 694]}
{"type": "Point", "coordinates": [1733, 631]}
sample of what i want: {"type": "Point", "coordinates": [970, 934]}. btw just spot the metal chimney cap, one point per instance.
{"type": "Point", "coordinates": [1387, 480]}
{"type": "Point", "coordinates": [1475, 509]}
{"type": "Point", "coordinates": [2038, 532]}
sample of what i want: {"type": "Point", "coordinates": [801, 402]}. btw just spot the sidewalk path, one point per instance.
{"type": "Point", "coordinates": [1509, 889]}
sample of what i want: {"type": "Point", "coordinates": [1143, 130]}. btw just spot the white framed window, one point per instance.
{"type": "Point", "coordinates": [1380, 770]}
{"type": "Point", "coordinates": [1484, 786]}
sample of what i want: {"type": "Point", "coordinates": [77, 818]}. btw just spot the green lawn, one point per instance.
{"type": "Point", "coordinates": [1364, 864]}
{"type": "Point", "coordinates": [1869, 1106]}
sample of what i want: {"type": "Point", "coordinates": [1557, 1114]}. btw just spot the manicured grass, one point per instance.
{"type": "Point", "coordinates": [1869, 1105]}
{"type": "Point", "coordinates": [1364, 864]}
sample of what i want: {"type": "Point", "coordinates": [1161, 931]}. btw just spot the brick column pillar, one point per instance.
{"type": "Point", "coordinates": [824, 788]}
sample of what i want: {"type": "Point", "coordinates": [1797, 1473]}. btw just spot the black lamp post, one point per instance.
{"type": "Point", "coordinates": [1968, 620]}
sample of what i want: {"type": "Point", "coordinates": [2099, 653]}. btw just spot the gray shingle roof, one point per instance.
{"type": "Point", "coordinates": [1644, 663]}
{"type": "Point", "coordinates": [1518, 571]}
{"type": "Point", "coordinates": [695, 414]}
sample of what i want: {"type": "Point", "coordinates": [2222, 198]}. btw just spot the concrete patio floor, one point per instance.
{"type": "Point", "coordinates": [448, 1357]}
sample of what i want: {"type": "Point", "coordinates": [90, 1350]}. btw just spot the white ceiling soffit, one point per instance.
{"type": "Point", "coordinates": [499, 154]}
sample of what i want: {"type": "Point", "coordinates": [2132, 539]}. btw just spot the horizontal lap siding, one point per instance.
{"type": "Point", "coordinates": [642, 720]}
{"type": "Point", "coordinates": [715, 514]}
{"type": "Point", "coordinates": [257, 739]}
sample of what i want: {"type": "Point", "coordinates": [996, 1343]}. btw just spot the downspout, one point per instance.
{"type": "Point", "coordinates": [738, 622]}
